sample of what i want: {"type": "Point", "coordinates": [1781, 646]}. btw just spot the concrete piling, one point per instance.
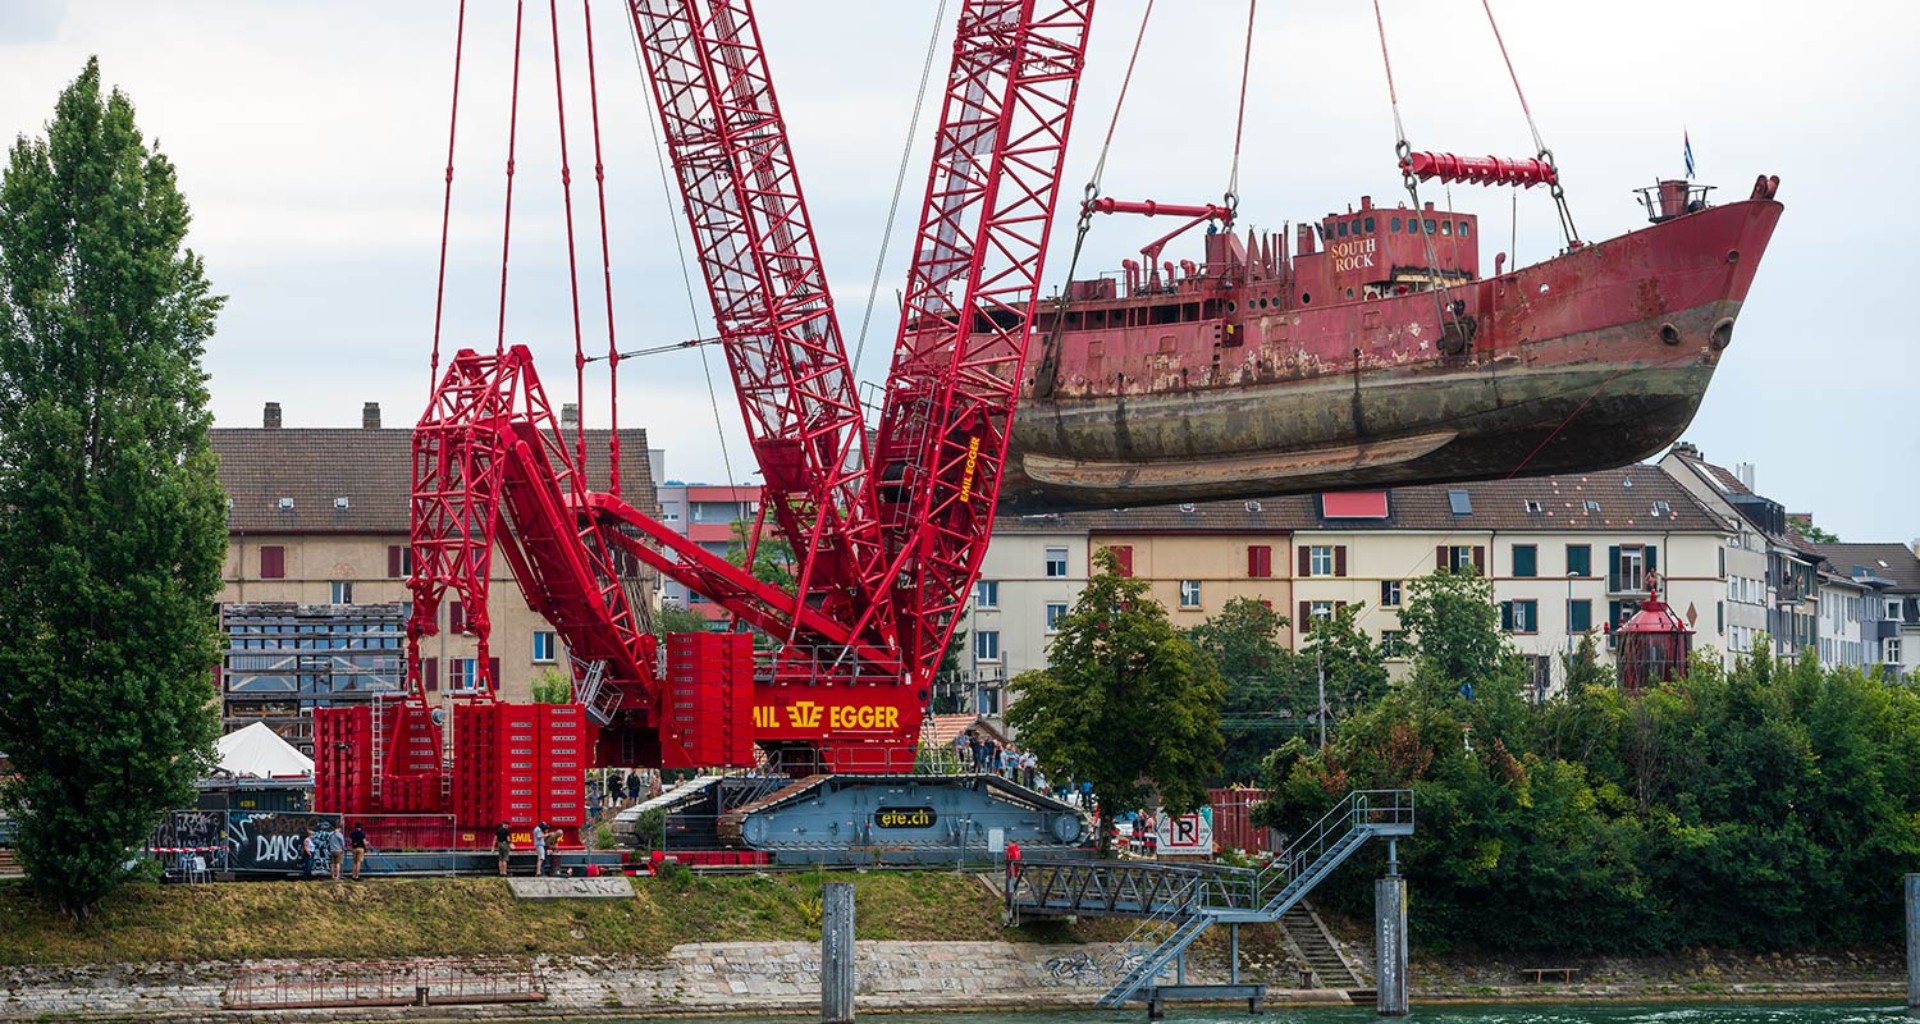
{"type": "Point", "coordinates": [836, 953]}
{"type": "Point", "coordinates": [1390, 944]}
{"type": "Point", "coordinates": [1913, 942]}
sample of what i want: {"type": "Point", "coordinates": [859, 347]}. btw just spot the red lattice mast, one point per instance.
{"type": "Point", "coordinates": [962, 346]}
{"type": "Point", "coordinates": [774, 314]}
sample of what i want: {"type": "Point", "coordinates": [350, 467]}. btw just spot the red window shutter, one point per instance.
{"type": "Point", "coordinates": [1123, 557]}
{"type": "Point", "coordinates": [393, 561]}
{"type": "Point", "coordinates": [1305, 622]}
{"type": "Point", "coordinates": [456, 617]}
{"type": "Point", "coordinates": [430, 675]}
{"type": "Point", "coordinates": [1260, 561]}
{"type": "Point", "coordinates": [1337, 605]}
{"type": "Point", "coordinates": [1440, 558]}
{"type": "Point", "coordinates": [493, 674]}
{"type": "Point", "coordinates": [273, 562]}
{"type": "Point", "coordinates": [1340, 560]}
{"type": "Point", "coordinates": [1480, 559]}
{"type": "Point", "coordinates": [1306, 560]}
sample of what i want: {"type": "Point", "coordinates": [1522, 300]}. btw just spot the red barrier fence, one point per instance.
{"type": "Point", "coordinates": [1233, 827]}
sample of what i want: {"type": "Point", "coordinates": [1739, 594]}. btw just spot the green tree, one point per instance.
{"type": "Point", "coordinates": [1127, 703]}
{"type": "Point", "coordinates": [1268, 697]}
{"type": "Point", "coordinates": [114, 530]}
{"type": "Point", "coordinates": [1454, 627]}
{"type": "Point", "coordinates": [1355, 670]}
{"type": "Point", "coordinates": [673, 618]}
{"type": "Point", "coordinates": [773, 560]}
{"type": "Point", "coordinates": [552, 687]}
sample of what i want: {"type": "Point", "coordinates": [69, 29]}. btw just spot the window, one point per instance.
{"type": "Point", "coordinates": [1393, 643]}
{"type": "Point", "coordinates": [1539, 673]}
{"type": "Point", "coordinates": [1465, 229]}
{"type": "Point", "coordinates": [1189, 594]}
{"type": "Point", "coordinates": [1893, 609]}
{"type": "Point", "coordinates": [1320, 559]}
{"type": "Point", "coordinates": [1593, 507]}
{"type": "Point", "coordinates": [986, 645]}
{"type": "Point", "coordinates": [342, 592]}
{"type": "Point", "coordinates": [1460, 502]}
{"type": "Point", "coordinates": [986, 594]}
{"type": "Point", "coordinates": [1056, 563]}
{"type": "Point", "coordinates": [1461, 557]}
{"type": "Point", "coordinates": [1890, 650]}
{"type": "Point", "coordinates": [1429, 225]}
{"type": "Point", "coordinates": [273, 562]}
{"type": "Point", "coordinates": [1389, 593]}
{"type": "Point", "coordinates": [462, 676]}
{"type": "Point", "coordinates": [399, 561]}
{"type": "Point", "coordinates": [1526, 560]}
{"type": "Point", "coordinates": [1520, 616]}
{"type": "Point", "coordinates": [1056, 610]}
{"type": "Point", "coordinates": [1260, 561]}
{"type": "Point", "coordinates": [456, 617]}
{"type": "Point", "coordinates": [543, 647]}
{"type": "Point", "coordinates": [1662, 509]}
{"type": "Point", "coordinates": [1579, 616]}
{"type": "Point", "coordinates": [1628, 566]}
{"type": "Point", "coordinates": [1320, 610]}
{"type": "Point", "coordinates": [1396, 224]}
{"type": "Point", "coordinates": [1534, 508]}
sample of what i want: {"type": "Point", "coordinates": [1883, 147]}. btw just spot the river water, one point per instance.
{"type": "Point", "coordinates": [1671, 1013]}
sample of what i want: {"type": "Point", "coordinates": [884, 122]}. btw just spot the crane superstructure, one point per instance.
{"type": "Point", "coordinates": [887, 542]}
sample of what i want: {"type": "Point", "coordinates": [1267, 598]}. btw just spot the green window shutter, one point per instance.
{"type": "Point", "coordinates": [1613, 569]}
{"type": "Point", "coordinates": [1579, 616]}
{"type": "Point", "coordinates": [1613, 614]}
{"type": "Point", "coordinates": [1719, 616]}
{"type": "Point", "coordinates": [1653, 558]}
{"type": "Point", "coordinates": [1506, 616]}
{"type": "Point", "coordinates": [1526, 560]}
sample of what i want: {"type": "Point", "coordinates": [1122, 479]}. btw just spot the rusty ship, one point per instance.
{"type": "Point", "coordinates": [1376, 353]}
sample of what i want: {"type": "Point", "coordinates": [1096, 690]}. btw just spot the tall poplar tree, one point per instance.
{"type": "Point", "coordinates": [112, 520]}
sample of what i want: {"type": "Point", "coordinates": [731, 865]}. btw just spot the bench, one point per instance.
{"type": "Point", "coordinates": [1160, 995]}
{"type": "Point", "coordinates": [1539, 973]}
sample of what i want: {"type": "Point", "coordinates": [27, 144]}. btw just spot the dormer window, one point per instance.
{"type": "Point", "coordinates": [1533, 508]}
{"type": "Point", "coordinates": [1593, 507]}
{"type": "Point", "coordinates": [286, 504]}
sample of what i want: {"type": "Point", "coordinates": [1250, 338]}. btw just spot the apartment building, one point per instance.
{"type": "Point", "coordinates": [1033, 572]}
{"type": "Point", "coordinates": [1890, 617]}
{"type": "Point", "coordinates": [319, 517]}
{"type": "Point", "coordinates": [711, 516]}
{"type": "Point", "coordinates": [1568, 556]}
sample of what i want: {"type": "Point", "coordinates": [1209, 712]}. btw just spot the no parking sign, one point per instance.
{"type": "Point", "coordinates": [1185, 834]}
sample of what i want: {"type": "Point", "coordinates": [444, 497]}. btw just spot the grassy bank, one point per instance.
{"type": "Point", "coordinates": [462, 917]}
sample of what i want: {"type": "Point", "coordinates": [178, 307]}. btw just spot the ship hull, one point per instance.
{"type": "Point", "coordinates": [1591, 360]}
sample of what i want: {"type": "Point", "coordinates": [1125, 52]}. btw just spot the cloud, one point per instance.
{"type": "Point", "coordinates": [31, 21]}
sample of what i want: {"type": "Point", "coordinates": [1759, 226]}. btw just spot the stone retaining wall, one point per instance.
{"type": "Point", "coordinates": [700, 978]}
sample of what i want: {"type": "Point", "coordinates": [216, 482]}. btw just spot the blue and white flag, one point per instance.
{"type": "Point", "coordinates": [1688, 148]}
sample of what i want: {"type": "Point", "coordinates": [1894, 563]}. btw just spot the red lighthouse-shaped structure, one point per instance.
{"type": "Point", "coordinates": [1653, 645]}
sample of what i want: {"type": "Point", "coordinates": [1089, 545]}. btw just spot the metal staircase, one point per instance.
{"type": "Point", "coordinates": [1190, 900]}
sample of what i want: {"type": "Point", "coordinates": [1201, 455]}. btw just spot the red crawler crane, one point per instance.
{"type": "Point", "coordinates": [885, 559]}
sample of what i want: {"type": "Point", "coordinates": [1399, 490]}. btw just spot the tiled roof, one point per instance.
{"type": "Point", "coordinates": [1625, 499]}
{"type": "Point", "coordinates": [1894, 562]}
{"type": "Point", "coordinates": [371, 469]}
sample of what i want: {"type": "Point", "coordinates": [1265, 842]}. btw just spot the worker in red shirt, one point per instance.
{"type": "Point", "coordinates": [1013, 864]}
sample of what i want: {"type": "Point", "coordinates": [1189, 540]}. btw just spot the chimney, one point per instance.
{"type": "Point", "coordinates": [569, 416]}
{"type": "Point", "coordinates": [370, 416]}
{"type": "Point", "coordinates": [270, 418]}
{"type": "Point", "coordinates": [1687, 449]}
{"type": "Point", "coordinates": [1744, 471]}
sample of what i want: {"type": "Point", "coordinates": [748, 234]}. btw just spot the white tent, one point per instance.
{"type": "Point", "coordinates": [259, 752]}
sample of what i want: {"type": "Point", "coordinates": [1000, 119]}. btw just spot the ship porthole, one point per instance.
{"type": "Point", "coordinates": [1305, 299]}
{"type": "Point", "coordinates": [1231, 307]}
{"type": "Point", "coordinates": [1722, 334]}
{"type": "Point", "coordinates": [1733, 255]}
{"type": "Point", "coordinates": [1670, 334]}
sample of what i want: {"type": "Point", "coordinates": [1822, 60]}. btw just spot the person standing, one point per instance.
{"type": "Point", "coordinates": [359, 841]}
{"type": "Point", "coordinates": [978, 747]}
{"type": "Point", "coordinates": [503, 846]}
{"type": "Point", "coordinates": [306, 855]}
{"type": "Point", "coordinates": [336, 852]}
{"type": "Point", "coordinates": [633, 788]}
{"type": "Point", "coordinates": [539, 849]}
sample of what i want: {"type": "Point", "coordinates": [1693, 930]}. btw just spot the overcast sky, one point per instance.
{"type": "Point", "coordinates": [311, 139]}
